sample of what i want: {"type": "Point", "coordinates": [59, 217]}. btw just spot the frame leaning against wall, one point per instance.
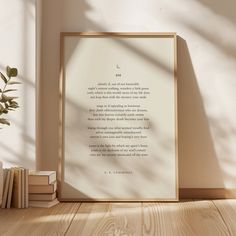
{"type": "Point", "coordinates": [62, 96]}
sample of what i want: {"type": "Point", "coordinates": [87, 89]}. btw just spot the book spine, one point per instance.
{"type": "Point", "coordinates": [47, 189]}
{"type": "Point", "coordinates": [26, 188]}
{"type": "Point", "coordinates": [16, 197]}
{"type": "Point", "coordinates": [6, 187]}
{"type": "Point", "coordinates": [9, 196]}
{"type": "Point", "coordinates": [22, 188]}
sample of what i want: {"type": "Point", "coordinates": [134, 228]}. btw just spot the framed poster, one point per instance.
{"type": "Point", "coordinates": [118, 117]}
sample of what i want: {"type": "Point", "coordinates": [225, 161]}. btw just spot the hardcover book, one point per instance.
{"type": "Point", "coordinates": [44, 204]}
{"type": "Point", "coordinates": [6, 187]}
{"type": "Point", "coordinates": [17, 188]}
{"type": "Point", "coordinates": [26, 190]}
{"type": "Point", "coordinates": [9, 196]}
{"type": "Point", "coordinates": [42, 197]}
{"type": "Point", "coordinates": [42, 177]}
{"type": "Point", "coordinates": [51, 188]}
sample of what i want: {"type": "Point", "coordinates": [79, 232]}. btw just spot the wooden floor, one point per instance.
{"type": "Point", "coordinates": [203, 218]}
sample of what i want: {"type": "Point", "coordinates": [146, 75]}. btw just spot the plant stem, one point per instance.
{"type": "Point", "coordinates": [5, 85]}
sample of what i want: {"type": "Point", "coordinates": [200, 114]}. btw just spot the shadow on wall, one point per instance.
{"type": "Point", "coordinates": [197, 156]}
{"type": "Point", "coordinates": [77, 20]}
{"type": "Point", "coordinates": [222, 120]}
{"type": "Point", "coordinates": [222, 8]}
{"type": "Point", "coordinates": [210, 32]}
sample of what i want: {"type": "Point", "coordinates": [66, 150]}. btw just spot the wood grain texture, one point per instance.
{"type": "Point", "coordinates": [192, 218]}
{"type": "Point", "coordinates": [37, 221]}
{"type": "Point", "coordinates": [182, 219]}
{"type": "Point", "coordinates": [96, 219]}
{"type": "Point", "coordinates": [227, 209]}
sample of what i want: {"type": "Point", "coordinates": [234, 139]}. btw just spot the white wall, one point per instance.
{"type": "Point", "coordinates": [17, 49]}
{"type": "Point", "coordinates": [206, 75]}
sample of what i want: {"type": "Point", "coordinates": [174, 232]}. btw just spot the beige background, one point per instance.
{"type": "Point", "coordinates": [206, 75]}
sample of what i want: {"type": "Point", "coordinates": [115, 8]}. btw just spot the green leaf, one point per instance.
{"type": "Point", "coordinates": [7, 99]}
{"type": "Point", "coordinates": [3, 98]}
{"type": "Point", "coordinates": [3, 77]}
{"type": "Point", "coordinates": [13, 82]}
{"type": "Point", "coordinates": [11, 98]}
{"type": "Point", "coordinates": [4, 121]}
{"type": "Point", "coordinates": [5, 111]}
{"type": "Point", "coordinates": [13, 102]}
{"type": "Point", "coordinates": [14, 72]}
{"type": "Point", "coordinates": [11, 72]}
{"type": "Point", "coordinates": [9, 90]}
{"type": "Point", "coordinates": [1, 107]}
{"type": "Point", "coordinates": [14, 106]}
{"type": "Point", "coordinates": [8, 71]}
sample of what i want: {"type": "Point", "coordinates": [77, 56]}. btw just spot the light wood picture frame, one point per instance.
{"type": "Point", "coordinates": [118, 117]}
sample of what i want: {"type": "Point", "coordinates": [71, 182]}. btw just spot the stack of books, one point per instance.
{"type": "Point", "coordinates": [15, 187]}
{"type": "Point", "coordinates": [42, 189]}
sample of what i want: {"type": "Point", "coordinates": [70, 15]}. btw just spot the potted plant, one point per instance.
{"type": "Point", "coordinates": [7, 103]}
